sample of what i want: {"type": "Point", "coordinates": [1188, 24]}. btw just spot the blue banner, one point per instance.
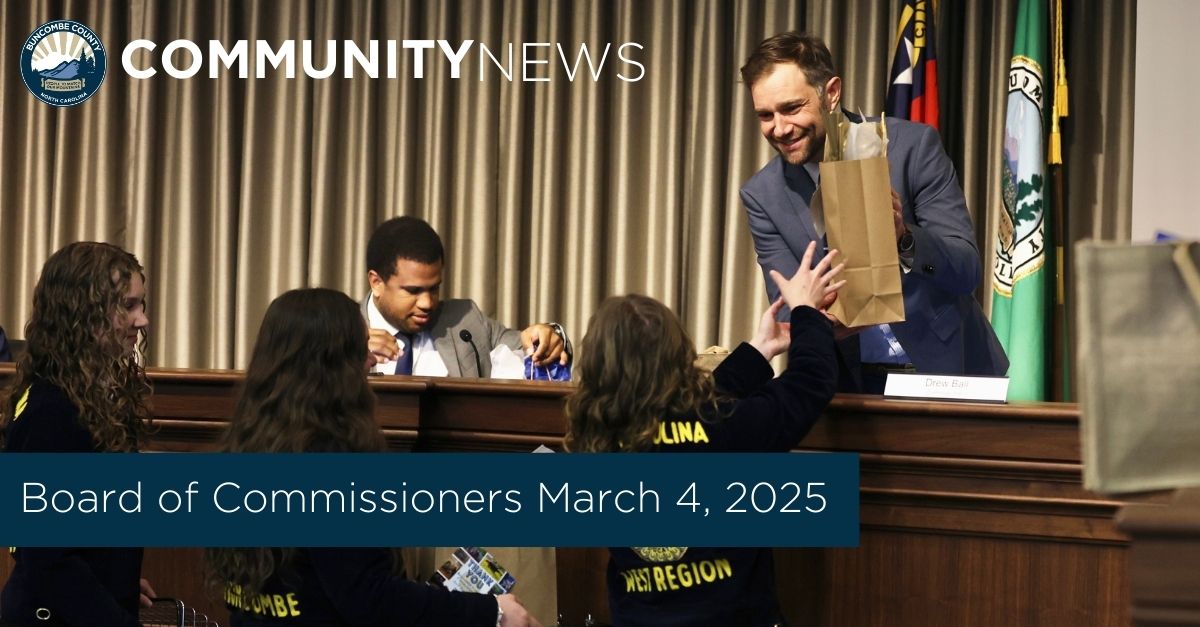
{"type": "Point", "coordinates": [429, 499]}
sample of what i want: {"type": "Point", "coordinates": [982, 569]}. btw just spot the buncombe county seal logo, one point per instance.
{"type": "Point", "coordinates": [63, 63]}
{"type": "Point", "coordinates": [1022, 237]}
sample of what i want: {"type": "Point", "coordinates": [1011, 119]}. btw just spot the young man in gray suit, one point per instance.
{"type": "Point", "coordinates": [413, 331]}
{"type": "Point", "coordinates": [792, 81]}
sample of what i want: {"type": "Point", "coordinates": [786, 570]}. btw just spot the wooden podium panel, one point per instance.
{"type": "Point", "coordinates": [192, 407]}
{"type": "Point", "coordinates": [489, 415]}
{"type": "Point", "coordinates": [1165, 560]}
{"type": "Point", "coordinates": [897, 577]}
{"type": "Point", "coordinates": [971, 514]}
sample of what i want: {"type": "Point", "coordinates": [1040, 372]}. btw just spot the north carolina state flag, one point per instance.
{"type": "Point", "coordinates": [912, 91]}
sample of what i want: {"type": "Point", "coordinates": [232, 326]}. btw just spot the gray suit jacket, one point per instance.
{"type": "Point", "coordinates": [945, 331]}
{"type": "Point", "coordinates": [451, 318]}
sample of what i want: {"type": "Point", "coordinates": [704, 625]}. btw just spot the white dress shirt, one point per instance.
{"type": "Point", "coordinates": [426, 360]}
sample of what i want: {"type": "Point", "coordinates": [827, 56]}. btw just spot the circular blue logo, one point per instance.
{"type": "Point", "coordinates": [63, 63]}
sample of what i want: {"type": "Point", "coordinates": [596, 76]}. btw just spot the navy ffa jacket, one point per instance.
{"type": "Point", "coordinates": [354, 587]}
{"type": "Point", "coordinates": [729, 587]}
{"type": "Point", "coordinates": [70, 586]}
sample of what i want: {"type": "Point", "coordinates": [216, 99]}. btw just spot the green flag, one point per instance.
{"type": "Point", "coordinates": [1019, 304]}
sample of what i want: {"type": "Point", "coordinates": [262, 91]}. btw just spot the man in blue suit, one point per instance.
{"type": "Point", "coordinates": [792, 82]}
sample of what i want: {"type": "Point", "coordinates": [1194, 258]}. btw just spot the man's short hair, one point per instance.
{"type": "Point", "coordinates": [805, 50]}
{"type": "Point", "coordinates": [404, 237]}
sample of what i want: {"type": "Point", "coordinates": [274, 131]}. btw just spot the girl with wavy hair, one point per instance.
{"type": "Point", "coordinates": [640, 390]}
{"type": "Point", "coordinates": [306, 391]}
{"type": "Point", "coordinates": [80, 386]}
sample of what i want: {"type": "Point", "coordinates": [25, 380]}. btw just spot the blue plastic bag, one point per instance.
{"type": "Point", "coordinates": [551, 372]}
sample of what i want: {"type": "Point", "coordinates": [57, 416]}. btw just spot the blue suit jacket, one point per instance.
{"type": "Point", "coordinates": [945, 331]}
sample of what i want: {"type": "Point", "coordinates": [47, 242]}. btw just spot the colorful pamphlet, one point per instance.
{"type": "Point", "coordinates": [472, 569]}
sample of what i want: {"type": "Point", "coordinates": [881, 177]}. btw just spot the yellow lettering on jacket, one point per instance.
{"type": "Point", "coordinates": [676, 576]}
{"type": "Point", "coordinates": [275, 605]}
{"type": "Point", "coordinates": [681, 432]}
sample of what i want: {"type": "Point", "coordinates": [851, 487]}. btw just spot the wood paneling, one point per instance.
{"type": "Point", "coordinates": [972, 514]}
{"type": "Point", "coordinates": [897, 577]}
{"type": "Point", "coordinates": [1165, 560]}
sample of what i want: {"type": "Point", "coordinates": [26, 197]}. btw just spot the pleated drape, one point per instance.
{"type": "Point", "coordinates": [550, 195]}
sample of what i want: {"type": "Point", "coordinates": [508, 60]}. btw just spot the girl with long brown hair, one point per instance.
{"type": "Point", "coordinates": [80, 386]}
{"type": "Point", "coordinates": [306, 391]}
{"type": "Point", "coordinates": [640, 390]}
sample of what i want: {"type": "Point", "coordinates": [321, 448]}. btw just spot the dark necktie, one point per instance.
{"type": "Point", "coordinates": [824, 243]}
{"type": "Point", "coordinates": [812, 185]}
{"type": "Point", "coordinates": [404, 364]}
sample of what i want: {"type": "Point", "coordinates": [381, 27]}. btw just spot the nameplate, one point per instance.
{"type": "Point", "coordinates": [946, 387]}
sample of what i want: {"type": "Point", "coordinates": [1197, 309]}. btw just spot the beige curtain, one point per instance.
{"type": "Point", "coordinates": [550, 196]}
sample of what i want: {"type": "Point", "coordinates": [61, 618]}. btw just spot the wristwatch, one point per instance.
{"type": "Point", "coordinates": [907, 242]}
{"type": "Point", "coordinates": [562, 334]}
{"type": "Point", "coordinates": [499, 613]}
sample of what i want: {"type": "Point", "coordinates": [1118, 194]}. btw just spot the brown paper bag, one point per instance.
{"type": "Point", "coordinates": [856, 200]}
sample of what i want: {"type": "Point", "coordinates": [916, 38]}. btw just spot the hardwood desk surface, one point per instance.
{"type": "Point", "coordinates": [972, 514]}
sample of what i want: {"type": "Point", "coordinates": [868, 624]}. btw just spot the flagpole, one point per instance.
{"type": "Point", "coordinates": [1060, 371]}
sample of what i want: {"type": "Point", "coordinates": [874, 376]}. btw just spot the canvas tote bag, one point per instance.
{"type": "Point", "coordinates": [1138, 365]}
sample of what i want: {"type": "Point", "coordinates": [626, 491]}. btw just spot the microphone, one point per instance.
{"type": "Point", "coordinates": [465, 336]}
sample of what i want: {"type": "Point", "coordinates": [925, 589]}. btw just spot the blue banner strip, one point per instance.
{"type": "Point", "coordinates": [430, 499]}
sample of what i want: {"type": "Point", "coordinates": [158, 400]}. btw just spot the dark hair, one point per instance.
{"type": "Point", "coordinates": [306, 387]}
{"type": "Point", "coordinates": [404, 237]}
{"type": "Point", "coordinates": [805, 50]}
{"type": "Point", "coordinates": [70, 341]}
{"type": "Point", "coordinates": [636, 366]}
{"type": "Point", "coordinates": [306, 390]}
